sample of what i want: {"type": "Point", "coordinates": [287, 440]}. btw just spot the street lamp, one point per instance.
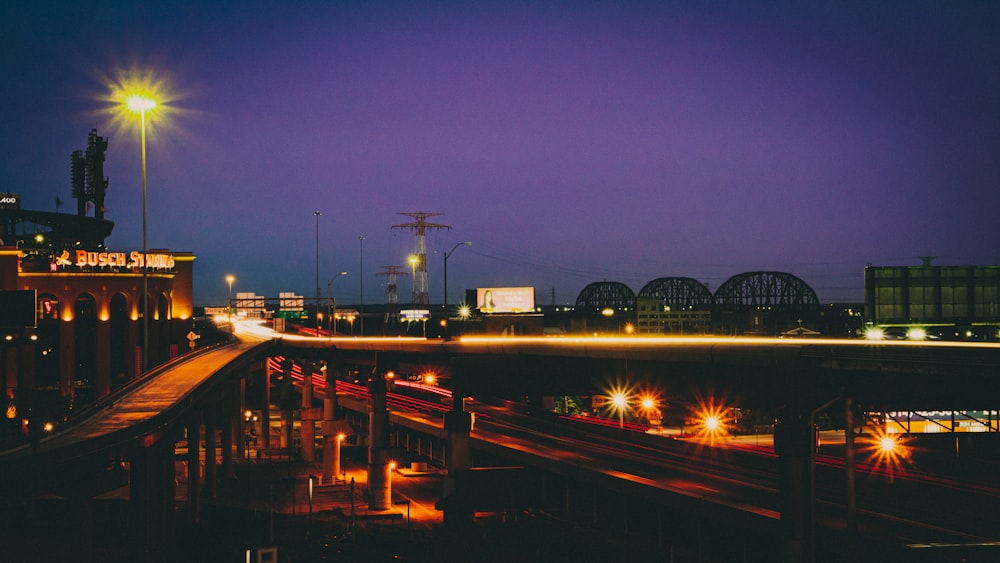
{"type": "Point", "coordinates": [230, 279]}
{"type": "Point", "coordinates": [446, 255]}
{"type": "Point", "coordinates": [620, 402]}
{"type": "Point", "coordinates": [138, 103]}
{"type": "Point", "coordinates": [317, 214]}
{"type": "Point", "coordinates": [361, 286]}
{"type": "Point", "coordinates": [330, 317]}
{"type": "Point", "coordinates": [336, 454]}
{"type": "Point", "coordinates": [413, 260]}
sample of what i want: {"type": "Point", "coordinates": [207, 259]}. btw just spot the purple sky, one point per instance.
{"type": "Point", "coordinates": [571, 143]}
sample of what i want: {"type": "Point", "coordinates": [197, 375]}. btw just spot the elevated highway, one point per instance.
{"type": "Point", "coordinates": [760, 372]}
{"type": "Point", "coordinates": [139, 426]}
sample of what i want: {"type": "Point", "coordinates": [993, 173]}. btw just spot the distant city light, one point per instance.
{"type": "Point", "coordinates": [874, 333]}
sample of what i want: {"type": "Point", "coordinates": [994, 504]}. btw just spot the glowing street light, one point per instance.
{"type": "Point", "coordinates": [874, 333]}
{"type": "Point", "coordinates": [336, 454]}
{"type": "Point", "coordinates": [141, 104]}
{"type": "Point", "coordinates": [317, 213]}
{"type": "Point", "coordinates": [331, 317]}
{"type": "Point", "coordinates": [446, 255]}
{"type": "Point", "coordinates": [413, 260]}
{"type": "Point", "coordinates": [648, 403]}
{"type": "Point", "coordinates": [619, 402]}
{"type": "Point", "coordinates": [887, 451]}
{"type": "Point", "coordinates": [887, 445]}
{"type": "Point", "coordinates": [230, 279]}
{"type": "Point", "coordinates": [712, 423]}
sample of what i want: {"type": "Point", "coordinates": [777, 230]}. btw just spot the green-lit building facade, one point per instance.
{"type": "Point", "coordinates": [952, 296]}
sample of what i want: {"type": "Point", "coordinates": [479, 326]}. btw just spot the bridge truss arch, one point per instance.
{"type": "Point", "coordinates": [776, 290]}
{"type": "Point", "coordinates": [678, 292]}
{"type": "Point", "coordinates": [763, 303]}
{"type": "Point", "coordinates": [598, 296]}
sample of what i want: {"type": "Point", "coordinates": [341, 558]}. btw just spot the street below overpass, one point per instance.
{"type": "Point", "coordinates": [719, 496]}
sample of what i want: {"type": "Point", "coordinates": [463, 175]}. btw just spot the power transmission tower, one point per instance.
{"type": "Point", "coordinates": [392, 296]}
{"type": "Point", "coordinates": [420, 225]}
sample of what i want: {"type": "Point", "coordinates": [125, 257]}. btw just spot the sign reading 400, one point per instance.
{"type": "Point", "coordinates": [10, 201]}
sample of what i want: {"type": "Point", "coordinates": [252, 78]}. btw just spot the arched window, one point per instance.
{"type": "Point", "coordinates": [84, 346]}
{"type": "Point", "coordinates": [118, 320]}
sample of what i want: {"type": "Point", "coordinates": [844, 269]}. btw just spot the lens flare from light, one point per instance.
{"type": "Point", "coordinates": [618, 397]}
{"type": "Point", "coordinates": [131, 91]}
{"type": "Point", "coordinates": [712, 418]}
{"type": "Point", "coordinates": [647, 402]}
{"type": "Point", "coordinates": [874, 333]}
{"type": "Point", "coordinates": [712, 423]}
{"type": "Point", "coordinates": [888, 451]}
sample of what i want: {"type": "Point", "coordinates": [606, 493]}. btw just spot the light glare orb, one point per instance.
{"type": "Point", "coordinates": [874, 333]}
{"type": "Point", "coordinates": [139, 103]}
{"type": "Point", "coordinates": [712, 423]}
{"type": "Point", "coordinates": [887, 444]}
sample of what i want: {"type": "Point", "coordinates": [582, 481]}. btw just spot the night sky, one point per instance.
{"type": "Point", "coordinates": [571, 142]}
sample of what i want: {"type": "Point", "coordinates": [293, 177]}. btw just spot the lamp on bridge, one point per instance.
{"type": "Point", "coordinates": [446, 255]}
{"type": "Point", "coordinates": [142, 104]}
{"type": "Point", "coordinates": [331, 316]}
{"type": "Point", "coordinates": [229, 309]}
{"type": "Point", "coordinates": [619, 402]}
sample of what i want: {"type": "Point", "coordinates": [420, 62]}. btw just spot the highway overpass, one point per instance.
{"type": "Point", "coordinates": [140, 425]}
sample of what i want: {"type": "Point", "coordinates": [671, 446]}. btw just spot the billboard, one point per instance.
{"type": "Point", "coordinates": [505, 299]}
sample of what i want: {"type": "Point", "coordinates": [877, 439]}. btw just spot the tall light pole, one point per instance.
{"type": "Point", "coordinates": [444, 322]}
{"type": "Point", "coordinates": [361, 285]}
{"type": "Point", "coordinates": [230, 279]}
{"type": "Point", "coordinates": [332, 321]}
{"type": "Point", "coordinates": [446, 255]}
{"type": "Point", "coordinates": [620, 402]}
{"type": "Point", "coordinates": [413, 260]}
{"type": "Point", "coordinates": [317, 214]}
{"type": "Point", "coordinates": [140, 104]}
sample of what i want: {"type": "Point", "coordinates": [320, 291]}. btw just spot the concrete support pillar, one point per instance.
{"type": "Point", "coordinates": [849, 468]}
{"type": "Point", "coordinates": [460, 536]}
{"type": "Point", "coordinates": [379, 476]}
{"type": "Point", "coordinates": [241, 429]}
{"type": "Point", "coordinates": [458, 455]}
{"type": "Point", "coordinates": [194, 468]}
{"type": "Point", "coordinates": [228, 418]}
{"type": "Point", "coordinates": [287, 403]}
{"type": "Point", "coordinates": [307, 428]}
{"type": "Point", "coordinates": [331, 437]}
{"type": "Point", "coordinates": [265, 409]}
{"type": "Point", "coordinates": [211, 480]}
{"type": "Point", "coordinates": [794, 442]}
